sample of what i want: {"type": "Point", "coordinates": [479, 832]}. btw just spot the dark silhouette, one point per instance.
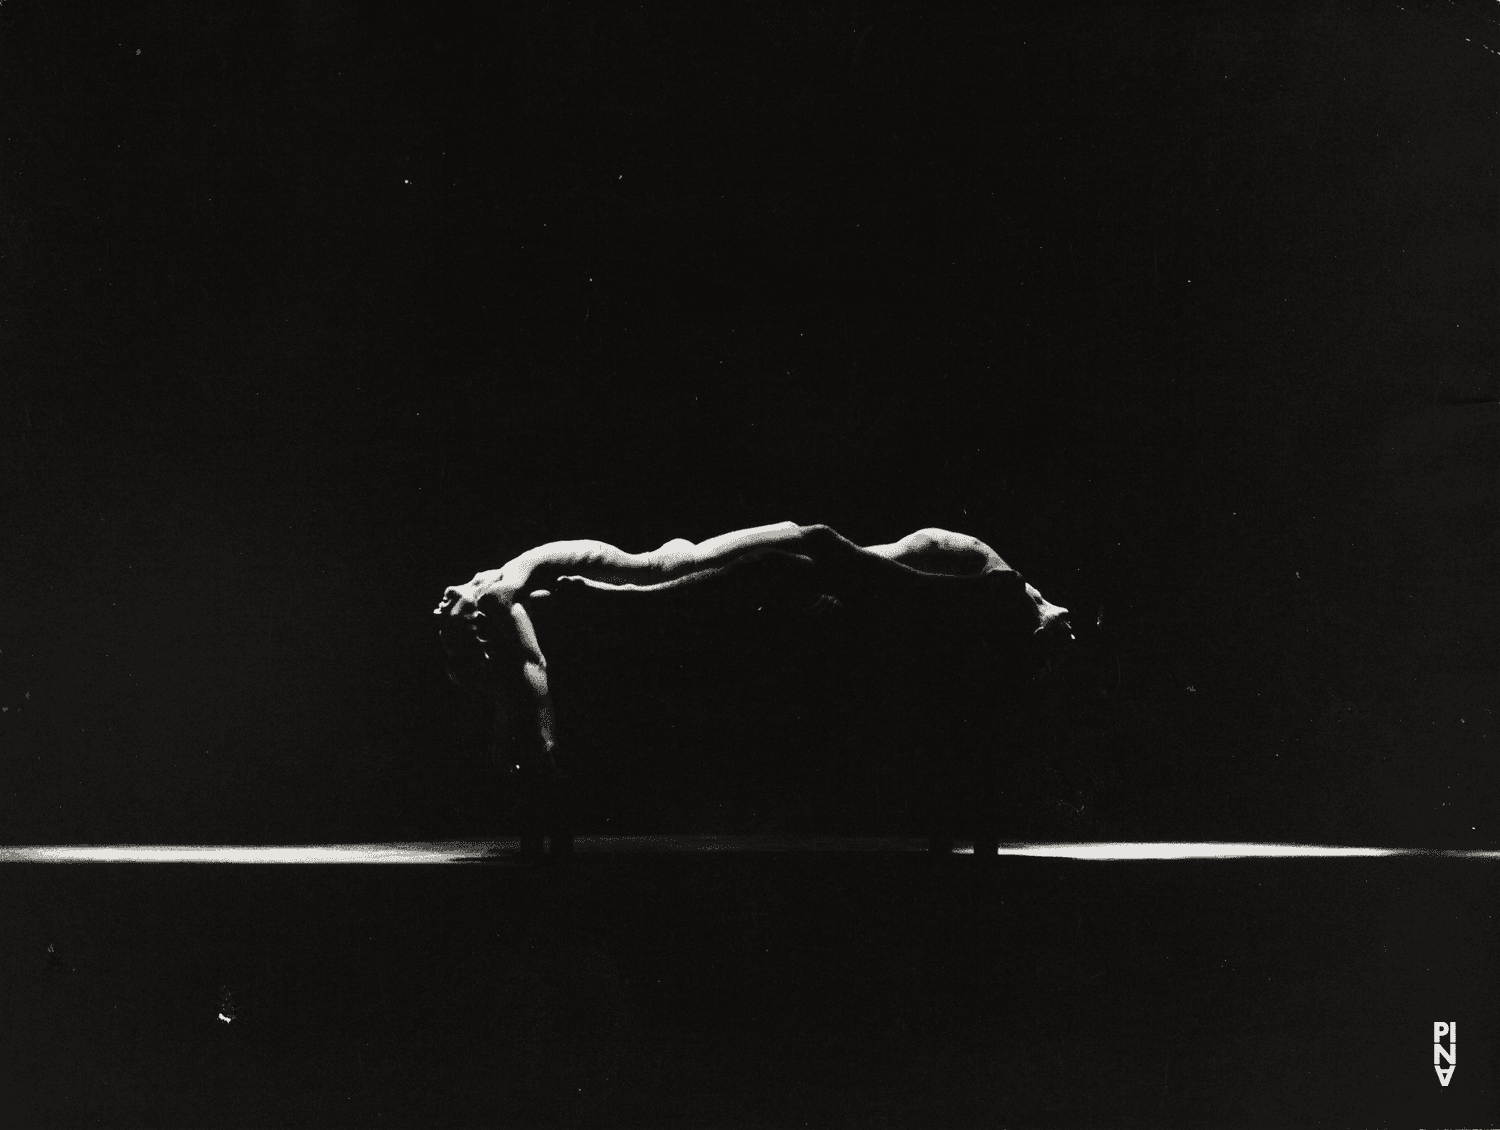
{"type": "Point", "coordinates": [963, 632]}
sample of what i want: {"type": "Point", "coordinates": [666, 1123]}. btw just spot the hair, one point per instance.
{"type": "Point", "coordinates": [1053, 643]}
{"type": "Point", "coordinates": [465, 640]}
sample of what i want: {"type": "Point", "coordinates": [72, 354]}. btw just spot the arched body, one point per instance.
{"type": "Point", "coordinates": [937, 590]}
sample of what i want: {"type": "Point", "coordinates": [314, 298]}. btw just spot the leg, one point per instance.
{"type": "Point", "coordinates": [531, 842]}
{"type": "Point", "coordinates": [940, 814]}
{"type": "Point", "coordinates": [557, 813]}
{"type": "Point", "coordinates": [987, 846]}
{"type": "Point", "coordinates": [984, 816]}
{"type": "Point", "coordinates": [522, 750]}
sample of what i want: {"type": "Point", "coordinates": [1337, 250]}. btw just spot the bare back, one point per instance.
{"type": "Point", "coordinates": [491, 643]}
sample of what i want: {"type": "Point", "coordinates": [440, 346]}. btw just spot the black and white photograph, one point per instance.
{"type": "Point", "coordinates": [767, 565]}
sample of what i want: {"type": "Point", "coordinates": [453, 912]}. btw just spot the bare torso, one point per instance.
{"type": "Point", "coordinates": [492, 643]}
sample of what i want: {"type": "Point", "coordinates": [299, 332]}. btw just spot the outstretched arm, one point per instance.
{"type": "Point", "coordinates": [534, 676]}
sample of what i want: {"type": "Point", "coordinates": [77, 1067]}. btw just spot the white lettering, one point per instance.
{"type": "Point", "coordinates": [1439, 1030]}
{"type": "Point", "coordinates": [1446, 1053]}
{"type": "Point", "coordinates": [1445, 1074]}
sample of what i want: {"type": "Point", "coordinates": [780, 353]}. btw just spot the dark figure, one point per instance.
{"type": "Point", "coordinates": [937, 596]}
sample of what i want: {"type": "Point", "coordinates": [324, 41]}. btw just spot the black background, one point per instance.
{"type": "Point", "coordinates": [310, 310]}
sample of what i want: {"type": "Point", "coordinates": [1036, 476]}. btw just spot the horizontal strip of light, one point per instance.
{"type": "Point", "coordinates": [500, 850]}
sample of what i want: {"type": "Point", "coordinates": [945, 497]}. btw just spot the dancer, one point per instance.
{"type": "Point", "coordinates": [491, 642]}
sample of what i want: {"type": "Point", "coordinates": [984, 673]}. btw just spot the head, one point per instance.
{"type": "Point", "coordinates": [1024, 636]}
{"type": "Point", "coordinates": [1054, 643]}
{"type": "Point", "coordinates": [462, 627]}
{"type": "Point", "coordinates": [1053, 638]}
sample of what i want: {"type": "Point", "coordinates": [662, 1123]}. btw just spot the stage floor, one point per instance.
{"type": "Point", "coordinates": [498, 851]}
{"type": "Point", "coordinates": [701, 981]}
